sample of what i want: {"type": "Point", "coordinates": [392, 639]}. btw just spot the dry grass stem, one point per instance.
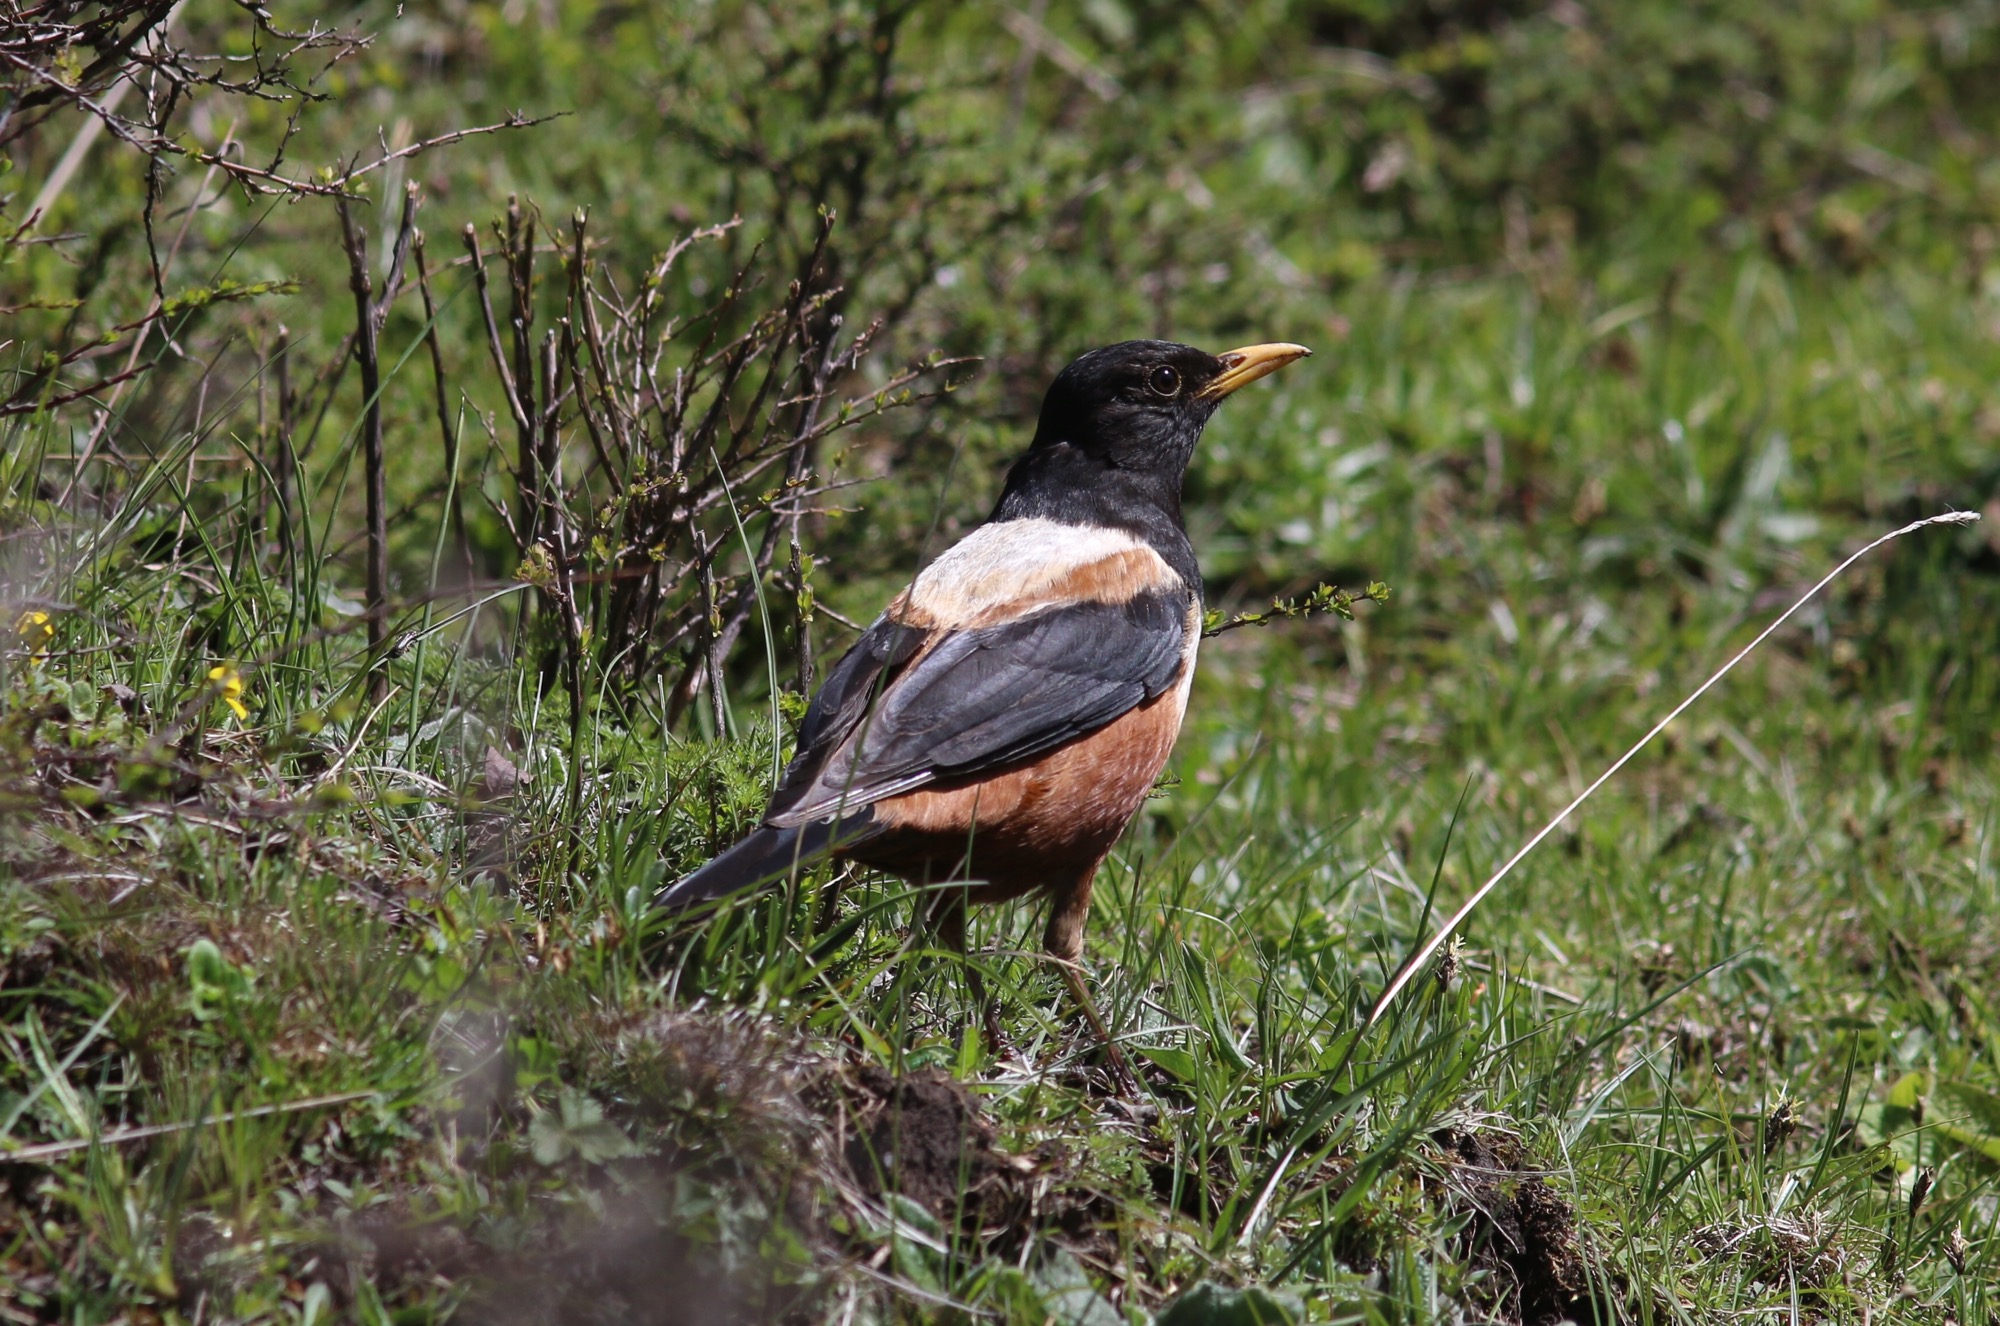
{"type": "Point", "coordinates": [1415, 962]}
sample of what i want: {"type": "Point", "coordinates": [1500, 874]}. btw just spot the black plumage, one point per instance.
{"type": "Point", "coordinates": [1002, 721]}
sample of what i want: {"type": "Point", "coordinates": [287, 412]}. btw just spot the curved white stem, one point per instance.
{"type": "Point", "coordinates": [1414, 963]}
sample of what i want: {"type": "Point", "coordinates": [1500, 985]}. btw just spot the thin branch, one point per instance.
{"type": "Point", "coordinates": [446, 430]}
{"type": "Point", "coordinates": [365, 353]}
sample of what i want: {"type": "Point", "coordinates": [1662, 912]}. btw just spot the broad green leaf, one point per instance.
{"type": "Point", "coordinates": [1209, 1304]}
{"type": "Point", "coordinates": [1177, 1062]}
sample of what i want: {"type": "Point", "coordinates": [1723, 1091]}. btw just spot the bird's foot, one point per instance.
{"type": "Point", "coordinates": [1121, 1072]}
{"type": "Point", "coordinates": [997, 1042]}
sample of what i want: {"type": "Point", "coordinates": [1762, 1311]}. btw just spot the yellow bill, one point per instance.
{"type": "Point", "coordinates": [1244, 366]}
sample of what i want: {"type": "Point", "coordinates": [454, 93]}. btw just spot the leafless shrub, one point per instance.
{"type": "Point", "coordinates": [89, 58]}
{"type": "Point", "coordinates": [661, 432]}
{"type": "Point", "coordinates": [665, 460]}
{"type": "Point", "coordinates": [74, 68]}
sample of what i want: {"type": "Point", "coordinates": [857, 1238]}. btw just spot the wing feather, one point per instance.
{"type": "Point", "coordinates": [986, 697]}
{"type": "Point", "coordinates": [851, 688]}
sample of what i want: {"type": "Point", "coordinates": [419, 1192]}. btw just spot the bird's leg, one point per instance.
{"type": "Point", "coordinates": [1064, 941]}
{"type": "Point", "coordinates": [947, 918]}
{"type": "Point", "coordinates": [829, 900]}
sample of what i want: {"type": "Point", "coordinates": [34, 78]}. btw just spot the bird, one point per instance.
{"type": "Point", "coordinates": [996, 728]}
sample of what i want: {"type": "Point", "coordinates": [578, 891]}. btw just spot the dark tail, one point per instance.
{"type": "Point", "coordinates": [765, 857]}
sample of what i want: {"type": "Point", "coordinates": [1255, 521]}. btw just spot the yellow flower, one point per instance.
{"type": "Point", "coordinates": [228, 684]}
{"type": "Point", "coordinates": [35, 630]}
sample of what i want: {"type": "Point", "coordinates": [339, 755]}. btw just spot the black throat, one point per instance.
{"type": "Point", "coordinates": [1063, 483]}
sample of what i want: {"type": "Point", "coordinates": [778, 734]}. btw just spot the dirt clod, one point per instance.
{"type": "Point", "coordinates": [923, 1136]}
{"type": "Point", "coordinates": [1523, 1231]}
{"type": "Point", "coordinates": [926, 1137]}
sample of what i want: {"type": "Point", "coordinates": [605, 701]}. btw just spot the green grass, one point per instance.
{"type": "Point", "coordinates": [1781, 913]}
{"type": "Point", "coordinates": [351, 1008]}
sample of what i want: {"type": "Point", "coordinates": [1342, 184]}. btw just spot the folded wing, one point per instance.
{"type": "Point", "coordinates": [907, 707]}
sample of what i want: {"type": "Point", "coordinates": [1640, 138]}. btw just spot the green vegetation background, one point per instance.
{"type": "Point", "coordinates": [1630, 319]}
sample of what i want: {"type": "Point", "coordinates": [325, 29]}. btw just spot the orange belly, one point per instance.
{"type": "Point", "coordinates": [1038, 823]}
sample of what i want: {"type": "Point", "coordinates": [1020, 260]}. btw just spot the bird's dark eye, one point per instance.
{"type": "Point", "coordinates": [1164, 381]}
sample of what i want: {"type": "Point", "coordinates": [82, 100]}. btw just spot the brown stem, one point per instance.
{"type": "Point", "coordinates": [593, 339]}
{"type": "Point", "coordinates": [281, 461]}
{"type": "Point", "coordinates": [446, 430]}
{"type": "Point", "coordinates": [801, 590]}
{"type": "Point", "coordinates": [406, 231]}
{"type": "Point", "coordinates": [520, 256]}
{"type": "Point", "coordinates": [371, 436]}
{"type": "Point", "coordinates": [499, 354]}
{"type": "Point", "coordinates": [549, 500]}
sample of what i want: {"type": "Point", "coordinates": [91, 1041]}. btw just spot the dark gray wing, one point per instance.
{"type": "Point", "coordinates": [990, 696]}
{"type": "Point", "coordinates": [851, 688]}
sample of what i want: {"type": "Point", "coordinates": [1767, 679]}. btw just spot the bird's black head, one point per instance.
{"type": "Point", "coordinates": [1135, 405]}
{"type": "Point", "coordinates": [1120, 424]}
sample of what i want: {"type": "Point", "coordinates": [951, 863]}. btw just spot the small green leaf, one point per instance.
{"type": "Point", "coordinates": [1068, 1296]}
{"type": "Point", "coordinates": [1907, 1095]}
{"type": "Point", "coordinates": [1207, 1009]}
{"type": "Point", "coordinates": [968, 1052]}
{"type": "Point", "coordinates": [1209, 1304]}
{"type": "Point", "coordinates": [1179, 1063]}
{"type": "Point", "coordinates": [577, 1127]}
{"type": "Point", "coordinates": [533, 1061]}
{"type": "Point", "coordinates": [1978, 1123]}
{"type": "Point", "coordinates": [213, 981]}
{"type": "Point", "coordinates": [333, 794]}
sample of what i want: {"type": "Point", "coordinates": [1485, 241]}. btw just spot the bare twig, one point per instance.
{"type": "Point", "coordinates": [447, 431]}
{"type": "Point", "coordinates": [365, 316]}
{"type": "Point", "coordinates": [87, 135]}
{"type": "Point", "coordinates": [1323, 599]}
{"type": "Point", "coordinates": [471, 236]}
{"type": "Point", "coordinates": [406, 230]}
{"type": "Point", "coordinates": [133, 368]}
{"type": "Point", "coordinates": [519, 253]}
